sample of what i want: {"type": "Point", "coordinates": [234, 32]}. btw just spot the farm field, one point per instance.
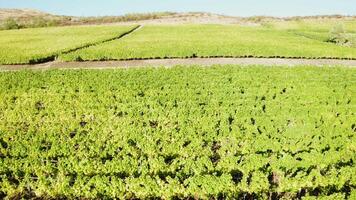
{"type": "Point", "coordinates": [180, 41]}
{"type": "Point", "coordinates": [275, 39]}
{"type": "Point", "coordinates": [315, 25]}
{"type": "Point", "coordinates": [317, 29]}
{"type": "Point", "coordinates": [218, 132]}
{"type": "Point", "coordinates": [41, 44]}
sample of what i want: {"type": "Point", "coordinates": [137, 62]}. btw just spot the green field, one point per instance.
{"type": "Point", "coordinates": [291, 39]}
{"type": "Point", "coordinates": [317, 25]}
{"type": "Point", "coordinates": [41, 44]}
{"type": "Point", "coordinates": [316, 29]}
{"type": "Point", "coordinates": [218, 132]}
{"type": "Point", "coordinates": [213, 40]}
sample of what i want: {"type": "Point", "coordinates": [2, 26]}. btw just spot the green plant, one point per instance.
{"type": "Point", "coordinates": [338, 34]}
{"type": "Point", "coordinates": [10, 24]}
{"type": "Point", "coordinates": [33, 45]}
{"type": "Point", "coordinates": [352, 41]}
{"type": "Point", "coordinates": [182, 41]}
{"type": "Point", "coordinates": [228, 132]}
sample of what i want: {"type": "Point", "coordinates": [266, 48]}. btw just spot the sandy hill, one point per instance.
{"type": "Point", "coordinates": [22, 14]}
{"type": "Point", "coordinates": [35, 18]}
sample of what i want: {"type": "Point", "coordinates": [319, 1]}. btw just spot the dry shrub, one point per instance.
{"type": "Point", "coordinates": [338, 34]}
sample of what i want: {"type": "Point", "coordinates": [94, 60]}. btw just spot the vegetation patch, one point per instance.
{"type": "Point", "coordinates": [339, 36]}
{"type": "Point", "coordinates": [30, 46]}
{"type": "Point", "coordinates": [190, 41]}
{"type": "Point", "coordinates": [180, 133]}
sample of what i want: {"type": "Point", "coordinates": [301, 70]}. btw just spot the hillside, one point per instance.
{"type": "Point", "coordinates": [21, 13]}
{"type": "Point", "coordinates": [29, 18]}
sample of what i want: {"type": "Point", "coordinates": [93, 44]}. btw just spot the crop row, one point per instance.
{"type": "Point", "coordinates": [174, 41]}
{"type": "Point", "coordinates": [44, 44]}
{"type": "Point", "coordinates": [180, 41]}
{"type": "Point", "coordinates": [219, 132]}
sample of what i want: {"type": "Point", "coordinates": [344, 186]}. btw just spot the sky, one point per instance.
{"type": "Point", "coordinates": [227, 7]}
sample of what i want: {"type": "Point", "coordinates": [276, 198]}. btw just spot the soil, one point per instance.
{"type": "Point", "coordinates": [195, 18]}
{"type": "Point", "coordinates": [268, 62]}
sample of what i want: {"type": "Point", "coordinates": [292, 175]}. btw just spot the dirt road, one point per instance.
{"type": "Point", "coordinates": [186, 62]}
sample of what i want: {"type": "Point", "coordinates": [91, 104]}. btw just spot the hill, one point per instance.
{"type": "Point", "coordinates": [29, 18]}
{"type": "Point", "coordinates": [22, 14]}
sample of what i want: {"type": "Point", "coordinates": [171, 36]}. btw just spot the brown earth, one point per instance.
{"type": "Point", "coordinates": [268, 62]}
{"type": "Point", "coordinates": [194, 18]}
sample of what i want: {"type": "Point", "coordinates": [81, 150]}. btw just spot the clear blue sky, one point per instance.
{"type": "Point", "coordinates": [228, 7]}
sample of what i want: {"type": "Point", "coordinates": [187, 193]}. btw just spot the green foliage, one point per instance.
{"type": "Point", "coordinates": [42, 22]}
{"type": "Point", "coordinates": [212, 40]}
{"type": "Point", "coordinates": [315, 25]}
{"type": "Point", "coordinates": [314, 35]}
{"type": "Point", "coordinates": [338, 34]}
{"type": "Point", "coordinates": [10, 24]}
{"type": "Point", "coordinates": [219, 132]}
{"type": "Point", "coordinates": [33, 45]}
{"type": "Point", "coordinates": [340, 31]}
{"type": "Point", "coordinates": [352, 40]}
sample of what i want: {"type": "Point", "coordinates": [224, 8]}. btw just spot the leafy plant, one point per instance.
{"type": "Point", "coordinates": [227, 132]}
{"type": "Point", "coordinates": [10, 24]}
{"type": "Point", "coordinates": [352, 41]}
{"type": "Point", "coordinates": [338, 34]}
{"type": "Point", "coordinates": [181, 41]}
{"type": "Point", "coordinates": [32, 45]}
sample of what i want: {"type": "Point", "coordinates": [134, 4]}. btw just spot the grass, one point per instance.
{"type": "Point", "coordinates": [298, 40]}
{"type": "Point", "coordinates": [318, 25]}
{"type": "Point", "coordinates": [220, 132]}
{"type": "Point", "coordinates": [212, 40]}
{"type": "Point", "coordinates": [34, 45]}
{"type": "Point", "coordinates": [318, 29]}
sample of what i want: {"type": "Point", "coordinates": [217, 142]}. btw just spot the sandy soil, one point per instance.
{"type": "Point", "coordinates": [195, 18]}
{"type": "Point", "coordinates": [25, 15]}
{"type": "Point", "coordinates": [268, 62]}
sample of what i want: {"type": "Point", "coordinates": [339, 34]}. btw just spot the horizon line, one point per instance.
{"type": "Point", "coordinates": [178, 12]}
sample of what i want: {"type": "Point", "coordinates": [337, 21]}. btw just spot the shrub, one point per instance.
{"type": "Point", "coordinates": [38, 22]}
{"type": "Point", "coordinates": [338, 35]}
{"type": "Point", "coordinates": [352, 41]}
{"type": "Point", "coordinates": [10, 24]}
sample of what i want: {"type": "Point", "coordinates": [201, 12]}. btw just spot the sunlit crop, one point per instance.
{"type": "Point", "coordinates": [220, 132]}
{"type": "Point", "coordinates": [215, 40]}
{"type": "Point", "coordinates": [42, 44]}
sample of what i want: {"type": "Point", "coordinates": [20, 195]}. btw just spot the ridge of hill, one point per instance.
{"type": "Point", "coordinates": [30, 18]}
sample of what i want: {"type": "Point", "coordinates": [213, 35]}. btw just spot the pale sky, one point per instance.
{"type": "Point", "coordinates": [227, 7]}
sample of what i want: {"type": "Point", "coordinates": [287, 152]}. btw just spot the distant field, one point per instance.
{"type": "Point", "coordinates": [317, 25]}
{"type": "Point", "coordinates": [34, 45]}
{"type": "Point", "coordinates": [212, 40]}
{"type": "Point", "coordinates": [186, 133]}
{"type": "Point", "coordinates": [290, 39]}
{"type": "Point", "coordinates": [318, 29]}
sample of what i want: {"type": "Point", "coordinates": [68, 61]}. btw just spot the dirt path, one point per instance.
{"type": "Point", "coordinates": [186, 62]}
